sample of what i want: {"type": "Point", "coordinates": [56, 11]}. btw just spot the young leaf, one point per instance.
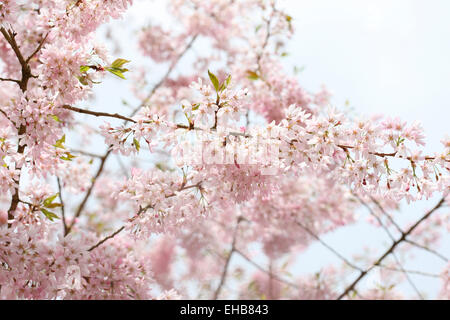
{"type": "Point", "coordinates": [118, 72]}
{"type": "Point", "coordinates": [252, 75]}
{"type": "Point", "coordinates": [214, 80]}
{"type": "Point", "coordinates": [225, 83]}
{"type": "Point", "coordinates": [49, 200]}
{"type": "Point", "coordinates": [60, 143]}
{"type": "Point", "coordinates": [84, 69]}
{"type": "Point", "coordinates": [118, 63]}
{"type": "Point", "coordinates": [136, 144]}
{"type": "Point", "coordinates": [68, 157]}
{"type": "Point", "coordinates": [83, 80]}
{"type": "Point", "coordinates": [50, 215]}
{"type": "Point", "coordinates": [54, 205]}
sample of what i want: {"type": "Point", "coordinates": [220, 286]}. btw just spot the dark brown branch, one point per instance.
{"type": "Point", "coordinates": [10, 35]}
{"type": "Point", "coordinates": [397, 260]}
{"type": "Point", "coordinates": [167, 74]}
{"type": "Point", "coordinates": [271, 274]}
{"type": "Point", "coordinates": [10, 80]}
{"type": "Point", "coordinates": [63, 210]}
{"type": "Point", "coordinates": [38, 48]}
{"type": "Point", "coordinates": [390, 250]}
{"type": "Point", "coordinates": [391, 154]}
{"type": "Point", "coordinates": [141, 210]}
{"type": "Point", "coordinates": [87, 154]}
{"type": "Point", "coordinates": [416, 272]}
{"type": "Point", "coordinates": [181, 126]}
{"type": "Point", "coordinates": [88, 193]}
{"type": "Point", "coordinates": [6, 116]}
{"type": "Point", "coordinates": [227, 261]}
{"type": "Point", "coordinates": [425, 248]}
{"type": "Point", "coordinates": [97, 113]}
{"type": "Point", "coordinates": [107, 238]}
{"type": "Point", "coordinates": [340, 256]}
{"type": "Point", "coordinates": [384, 212]}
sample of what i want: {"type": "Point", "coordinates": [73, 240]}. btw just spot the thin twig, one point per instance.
{"type": "Point", "coordinates": [88, 193]}
{"type": "Point", "coordinates": [377, 203]}
{"type": "Point", "coordinates": [227, 261]}
{"type": "Point", "coordinates": [274, 276]}
{"type": "Point", "coordinates": [98, 113]}
{"type": "Point", "coordinates": [10, 80]}
{"type": "Point", "coordinates": [420, 273]}
{"type": "Point", "coordinates": [432, 251]}
{"type": "Point", "coordinates": [141, 210]}
{"type": "Point", "coordinates": [340, 256]}
{"type": "Point", "coordinates": [10, 35]}
{"type": "Point", "coordinates": [390, 250]}
{"type": "Point", "coordinates": [63, 210]}
{"type": "Point", "coordinates": [98, 244]}
{"type": "Point", "coordinates": [167, 74]}
{"type": "Point", "coordinates": [37, 49]}
{"type": "Point", "coordinates": [86, 153]}
{"type": "Point", "coordinates": [397, 260]}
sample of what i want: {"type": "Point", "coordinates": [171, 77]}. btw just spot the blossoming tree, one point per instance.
{"type": "Point", "coordinates": [250, 160]}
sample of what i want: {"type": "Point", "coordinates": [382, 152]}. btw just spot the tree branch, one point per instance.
{"type": "Point", "coordinates": [340, 256]}
{"type": "Point", "coordinates": [227, 261]}
{"type": "Point", "coordinates": [10, 35]}
{"type": "Point", "coordinates": [271, 274]}
{"type": "Point", "coordinates": [141, 210]}
{"type": "Point", "coordinates": [98, 244]}
{"type": "Point", "coordinates": [397, 260]}
{"type": "Point", "coordinates": [390, 250]}
{"type": "Point", "coordinates": [88, 193]}
{"type": "Point", "coordinates": [63, 210]}
{"type": "Point", "coordinates": [97, 113]}
{"type": "Point", "coordinates": [38, 48]}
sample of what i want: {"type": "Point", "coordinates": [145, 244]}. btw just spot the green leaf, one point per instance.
{"type": "Point", "coordinates": [60, 143]}
{"type": "Point", "coordinates": [252, 75]}
{"type": "Point", "coordinates": [50, 215]}
{"type": "Point", "coordinates": [118, 63]}
{"type": "Point", "coordinates": [55, 118]}
{"type": "Point", "coordinates": [68, 157]}
{"type": "Point", "coordinates": [84, 69]}
{"type": "Point", "coordinates": [83, 80]}
{"type": "Point", "coordinates": [297, 70]}
{"type": "Point", "coordinates": [288, 18]}
{"type": "Point", "coordinates": [136, 144]}
{"type": "Point", "coordinates": [225, 83]}
{"type": "Point", "coordinates": [252, 286]}
{"type": "Point", "coordinates": [117, 71]}
{"type": "Point", "coordinates": [116, 68]}
{"type": "Point", "coordinates": [54, 205]}
{"type": "Point", "coordinates": [214, 80]}
{"type": "Point", "coordinates": [49, 200]}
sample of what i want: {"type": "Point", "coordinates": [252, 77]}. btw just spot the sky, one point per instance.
{"type": "Point", "coordinates": [383, 57]}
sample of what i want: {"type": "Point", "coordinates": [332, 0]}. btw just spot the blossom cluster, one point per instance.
{"type": "Point", "coordinates": [228, 155]}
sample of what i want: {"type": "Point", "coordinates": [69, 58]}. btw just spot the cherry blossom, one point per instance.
{"type": "Point", "coordinates": [225, 155]}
